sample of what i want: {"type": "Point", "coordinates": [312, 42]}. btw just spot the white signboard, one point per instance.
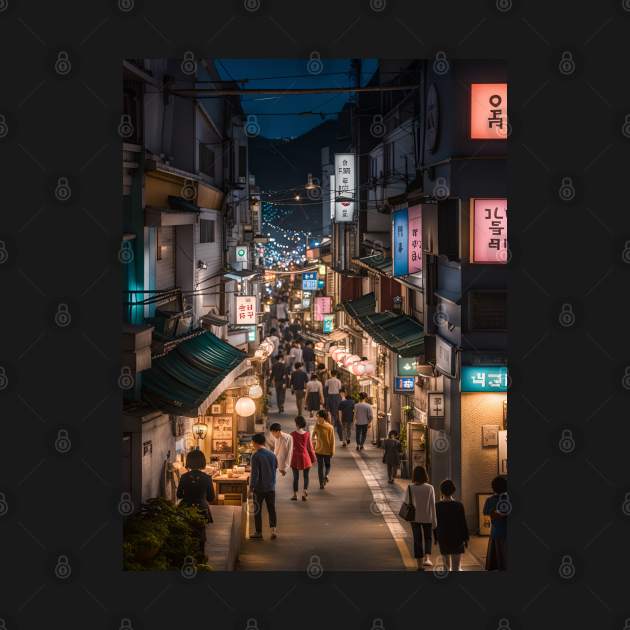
{"type": "Point", "coordinates": [241, 253]}
{"type": "Point", "coordinates": [344, 187]}
{"type": "Point", "coordinates": [246, 310]}
{"type": "Point", "coordinates": [444, 356]}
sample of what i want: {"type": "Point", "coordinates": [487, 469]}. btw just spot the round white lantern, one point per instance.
{"type": "Point", "coordinates": [255, 391]}
{"type": "Point", "coordinates": [358, 369]}
{"type": "Point", "coordinates": [335, 352]}
{"type": "Point", "coordinates": [251, 380]}
{"type": "Point", "coordinates": [350, 359]}
{"type": "Point", "coordinates": [369, 367]}
{"type": "Point", "coordinates": [245, 406]}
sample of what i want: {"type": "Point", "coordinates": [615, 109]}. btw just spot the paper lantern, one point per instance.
{"type": "Point", "coordinates": [251, 380]}
{"type": "Point", "coordinates": [337, 353]}
{"type": "Point", "coordinates": [255, 391]}
{"type": "Point", "coordinates": [245, 406]}
{"type": "Point", "coordinates": [350, 359]}
{"type": "Point", "coordinates": [200, 429]}
{"type": "Point", "coordinates": [358, 369]}
{"type": "Point", "coordinates": [369, 367]}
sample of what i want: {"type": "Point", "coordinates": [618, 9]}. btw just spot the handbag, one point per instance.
{"type": "Point", "coordinates": [407, 509]}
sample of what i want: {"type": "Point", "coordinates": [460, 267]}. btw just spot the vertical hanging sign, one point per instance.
{"type": "Point", "coordinates": [489, 231]}
{"type": "Point", "coordinates": [415, 239]}
{"type": "Point", "coordinates": [488, 111]}
{"type": "Point", "coordinates": [400, 242]}
{"type": "Point", "coordinates": [332, 197]}
{"type": "Point", "coordinates": [246, 310]}
{"type": "Point", "coordinates": [344, 187]}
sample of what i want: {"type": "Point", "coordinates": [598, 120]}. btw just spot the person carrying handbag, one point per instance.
{"type": "Point", "coordinates": [419, 510]}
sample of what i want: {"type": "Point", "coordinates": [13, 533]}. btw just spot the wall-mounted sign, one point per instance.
{"type": "Point", "coordinates": [328, 323]}
{"type": "Point", "coordinates": [332, 197]}
{"type": "Point", "coordinates": [488, 111]}
{"type": "Point", "coordinates": [484, 378]}
{"type": "Point", "coordinates": [432, 118]}
{"type": "Point", "coordinates": [251, 333]}
{"type": "Point", "coordinates": [242, 253]}
{"type": "Point", "coordinates": [400, 242]}
{"type": "Point", "coordinates": [408, 366]}
{"type": "Point", "coordinates": [344, 187]}
{"type": "Point", "coordinates": [309, 281]}
{"type": "Point", "coordinates": [444, 357]}
{"type": "Point", "coordinates": [489, 231]}
{"type": "Point", "coordinates": [414, 218]}
{"type": "Point", "coordinates": [246, 310]}
{"type": "Point", "coordinates": [321, 284]}
{"type": "Point", "coordinates": [404, 384]}
{"type": "Point", "coordinates": [436, 410]}
{"type": "Point", "coordinates": [323, 306]}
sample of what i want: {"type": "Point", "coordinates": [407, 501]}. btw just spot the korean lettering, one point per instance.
{"type": "Point", "coordinates": [497, 224]}
{"type": "Point", "coordinates": [496, 112]}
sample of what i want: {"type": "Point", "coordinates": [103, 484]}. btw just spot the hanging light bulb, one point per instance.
{"type": "Point", "coordinates": [255, 391]}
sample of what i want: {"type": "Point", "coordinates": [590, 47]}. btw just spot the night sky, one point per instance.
{"type": "Point", "coordinates": [271, 110]}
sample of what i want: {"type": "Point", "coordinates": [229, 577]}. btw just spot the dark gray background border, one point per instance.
{"type": "Point", "coordinates": [566, 250]}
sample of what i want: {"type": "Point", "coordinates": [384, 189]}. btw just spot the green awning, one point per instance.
{"type": "Point", "coordinates": [361, 306]}
{"type": "Point", "coordinates": [399, 333]}
{"type": "Point", "coordinates": [376, 262]}
{"type": "Point", "coordinates": [183, 381]}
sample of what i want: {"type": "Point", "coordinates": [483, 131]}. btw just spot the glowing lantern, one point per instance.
{"type": "Point", "coordinates": [369, 367]}
{"type": "Point", "coordinates": [337, 352]}
{"type": "Point", "coordinates": [358, 369]}
{"type": "Point", "coordinates": [350, 359]}
{"type": "Point", "coordinates": [245, 406]}
{"type": "Point", "coordinates": [255, 391]}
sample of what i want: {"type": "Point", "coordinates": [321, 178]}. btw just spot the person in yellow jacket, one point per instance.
{"type": "Point", "coordinates": [324, 438]}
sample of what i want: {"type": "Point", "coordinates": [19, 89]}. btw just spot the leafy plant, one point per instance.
{"type": "Point", "coordinates": [160, 536]}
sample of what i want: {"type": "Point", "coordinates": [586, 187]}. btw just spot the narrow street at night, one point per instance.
{"type": "Point", "coordinates": [313, 282]}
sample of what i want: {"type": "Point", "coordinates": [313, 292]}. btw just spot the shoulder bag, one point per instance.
{"type": "Point", "coordinates": [407, 510]}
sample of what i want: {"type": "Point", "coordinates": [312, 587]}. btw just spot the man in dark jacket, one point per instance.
{"type": "Point", "coordinates": [262, 485]}
{"type": "Point", "coordinates": [279, 377]}
{"type": "Point", "coordinates": [298, 386]}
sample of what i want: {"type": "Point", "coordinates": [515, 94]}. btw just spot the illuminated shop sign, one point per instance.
{"type": "Point", "coordinates": [309, 281]}
{"type": "Point", "coordinates": [400, 242]}
{"type": "Point", "coordinates": [328, 323]}
{"type": "Point", "coordinates": [404, 383]}
{"type": "Point", "coordinates": [484, 378]}
{"type": "Point", "coordinates": [414, 229]}
{"type": "Point", "coordinates": [407, 366]}
{"type": "Point", "coordinates": [344, 187]}
{"type": "Point", "coordinates": [489, 231]}
{"type": "Point", "coordinates": [323, 306]}
{"type": "Point", "coordinates": [488, 111]}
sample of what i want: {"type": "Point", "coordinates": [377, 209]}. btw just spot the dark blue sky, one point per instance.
{"type": "Point", "coordinates": [271, 109]}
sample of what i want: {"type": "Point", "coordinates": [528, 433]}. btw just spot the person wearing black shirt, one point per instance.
{"type": "Point", "coordinates": [298, 386]}
{"type": "Point", "coordinates": [308, 356]}
{"type": "Point", "coordinates": [279, 377]}
{"type": "Point", "coordinates": [344, 424]}
{"type": "Point", "coordinates": [451, 533]}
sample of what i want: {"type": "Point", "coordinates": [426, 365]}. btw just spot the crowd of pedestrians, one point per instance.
{"type": "Point", "coordinates": [331, 409]}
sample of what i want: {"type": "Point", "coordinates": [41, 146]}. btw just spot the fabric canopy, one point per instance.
{"type": "Point", "coordinates": [399, 333]}
{"type": "Point", "coordinates": [361, 306]}
{"type": "Point", "coordinates": [186, 380]}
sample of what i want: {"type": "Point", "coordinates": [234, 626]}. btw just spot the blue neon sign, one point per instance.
{"type": "Point", "coordinates": [400, 242]}
{"type": "Point", "coordinates": [491, 378]}
{"type": "Point", "coordinates": [404, 383]}
{"type": "Point", "coordinates": [309, 281]}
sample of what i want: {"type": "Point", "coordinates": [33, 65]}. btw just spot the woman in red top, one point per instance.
{"type": "Point", "coordinates": [302, 458]}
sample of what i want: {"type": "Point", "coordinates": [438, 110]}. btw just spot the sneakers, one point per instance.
{"type": "Point", "coordinates": [305, 497]}
{"type": "Point", "coordinates": [343, 445]}
{"type": "Point", "coordinates": [322, 486]}
{"type": "Point", "coordinates": [256, 536]}
{"type": "Point", "coordinates": [326, 479]}
{"type": "Point", "coordinates": [274, 533]}
{"type": "Point", "coordinates": [294, 497]}
{"type": "Point", "coordinates": [427, 562]}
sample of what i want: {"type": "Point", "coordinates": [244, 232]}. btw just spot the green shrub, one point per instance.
{"type": "Point", "coordinates": [160, 535]}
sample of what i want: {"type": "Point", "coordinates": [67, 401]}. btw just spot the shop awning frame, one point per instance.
{"type": "Point", "coordinates": [187, 380]}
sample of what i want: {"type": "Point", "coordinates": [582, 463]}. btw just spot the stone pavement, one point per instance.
{"type": "Point", "coordinates": [351, 525]}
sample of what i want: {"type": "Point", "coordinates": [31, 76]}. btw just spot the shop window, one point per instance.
{"type": "Point", "coordinates": [206, 231]}
{"type": "Point", "coordinates": [487, 310]}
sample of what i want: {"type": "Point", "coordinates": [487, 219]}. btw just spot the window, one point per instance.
{"type": "Point", "coordinates": [206, 231]}
{"type": "Point", "coordinates": [242, 161]}
{"type": "Point", "coordinates": [487, 310]}
{"type": "Point", "coordinates": [206, 160]}
{"type": "Point", "coordinates": [388, 158]}
{"type": "Point", "coordinates": [158, 243]}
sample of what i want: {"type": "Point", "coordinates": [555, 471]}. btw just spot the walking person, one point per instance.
{"type": "Point", "coordinates": [332, 387]}
{"type": "Point", "coordinates": [279, 377]}
{"type": "Point", "coordinates": [451, 533]}
{"type": "Point", "coordinates": [497, 508]}
{"type": "Point", "coordinates": [262, 485]}
{"type": "Point", "coordinates": [362, 418]}
{"type": "Point", "coordinates": [391, 456]}
{"type": "Point", "coordinates": [196, 489]}
{"type": "Point", "coordinates": [273, 337]}
{"type": "Point", "coordinates": [314, 395]}
{"type": "Point", "coordinates": [302, 457]}
{"type": "Point", "coordinates": [296, 353]}
{"type": "Point", "coordinates": [298, 382]}
{"type": "Point", "coordinates": [308, 356]}
{"type": "Point", "coordinates": [282, 447]}
{"type": "Point", "coordinates": [425, 521]}
{"type": "Point", "coordinates": [324, 437]}
{"type": "Point", "coordinates": [346, 417]}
